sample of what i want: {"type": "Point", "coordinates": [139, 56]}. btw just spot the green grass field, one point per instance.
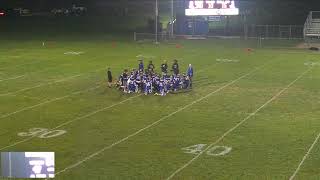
{"type": "Point", "coordinates": [252, 119]}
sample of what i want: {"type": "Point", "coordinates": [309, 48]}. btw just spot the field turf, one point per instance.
{"type": "Point", "coordinates": [253, 118]}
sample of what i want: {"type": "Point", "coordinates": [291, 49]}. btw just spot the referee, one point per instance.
{"type": "Point", "coordinates": [109, 76]}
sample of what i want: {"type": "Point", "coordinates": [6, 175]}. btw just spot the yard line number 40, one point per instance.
{"type": "Point", "coordinates": [42, 133]}
{"type": "Point", "coordinates": [214, 151]}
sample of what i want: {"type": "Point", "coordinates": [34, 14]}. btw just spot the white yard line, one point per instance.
{"type": "Point", "coordinates": [201, 80]}
{"type": "Point", "coordinates": [207, 67]}
{"type": "Point", "coordinates": [47, 102]}
{"type": "Point", "coordinates": [305, 157]}
{"type": "Point", "coordinates": [12, 78]}
{"type": "Point", "coordinates": [19, 65]}
{"type": "Point", "coordinates": [237, 125]}
{"type": "Point", "coordinates": [34, 72]}
{"type": "Point", "coordinates": [40, 85]}
{"type": "Point", "coordinates": [73, 120]}
{"type": "Point", "coordinates": [50, 83]}
{"type": "Point", "coordinates": [24, 75]}
{"type": "Point", "coordinates": [156, 122]}
{"type": "Point", "coordinates": [28, 97]}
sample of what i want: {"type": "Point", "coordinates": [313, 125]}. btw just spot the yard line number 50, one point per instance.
{"type": "Point", "coordinates": [42, 133]}
{"type": "Point", "coordinates": [214, 151]}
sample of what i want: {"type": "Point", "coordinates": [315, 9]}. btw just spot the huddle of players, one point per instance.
{"type": "Point", "coordinates": [148, 82]}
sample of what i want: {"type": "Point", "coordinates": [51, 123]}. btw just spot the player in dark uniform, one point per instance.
{"type": "Point", "coordinates": [109, 74]}
{"type": "Point", "coordinates": [141, 66]}
{"type": "Point", "coordinates": [186, 82]}
{"type": "Point", "coordinates": [156, 81]}
{"type": "Point", "coordinates": [125, 80]}
{"type": "Point", "coordinates": [150, 67]}
{"type": "Point", "coordinates": [175, 67]}
{"type": "Point", "coordinates": [164, 68]}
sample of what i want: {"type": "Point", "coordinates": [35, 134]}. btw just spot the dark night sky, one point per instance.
{"type": "Point", "coordinates": [53, 3]}
{"type": "Point", "coordinates": [36, 4]}
{"type": "Point", "coordinates": [293, 10]}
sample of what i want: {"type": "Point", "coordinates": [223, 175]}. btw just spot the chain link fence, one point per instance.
{"type": "Point", "coordinates": [225, 41]}
{"type": "Point", "coordinates": [261, 31]}
{"type": "Point", "coordinates": [276, 31]}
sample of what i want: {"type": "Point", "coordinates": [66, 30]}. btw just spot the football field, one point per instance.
{"type": "Point", "coordinates": [250, 115]}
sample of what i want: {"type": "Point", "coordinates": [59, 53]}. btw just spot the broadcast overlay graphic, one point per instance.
{"type": "Point", "coordinates": [211, 8]}
{"type": "Point", "coordinates": [27, 164]}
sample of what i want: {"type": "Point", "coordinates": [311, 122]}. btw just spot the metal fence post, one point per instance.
{"type": "Point", "coordinates": [260, 41]}
{"type": "Point", "coordinates": [290, 32]}
{"type": "Point", "coordinates": [279, 31]}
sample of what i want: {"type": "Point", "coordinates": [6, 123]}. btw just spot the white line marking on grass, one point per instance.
{"type": "Point", "coordinates": [95, 112]}
{"type": "Point", "coordinates": [213, 65]}
{"type": "Point", "coordinates": [24, 75]}
{"type": "Point", "coordinates": [19, 65]}
{"type": "Point", "coordinates": [201, 80]}
{"type": "Point", "coordinates": [194, 149]}
{"type": "Point", "coordinates": [73, 120]}
{"type": "Point", "coordinates": [34, 72]}
{"type": "Point", "coordinates": [43, 133]}
{"type": "Point", "coordinates": [9, 56]}
{"type": "Point", "coordinates": [12, 78]}
{"type": "Point", "coordinates": [46, 84]}
{"type": "Point", "coordinates": [146, 56]}
{"type": "Point", "coordinates": [311, 63]}
{"type": "Point", "coordinates": [237, 125]}
{"type": "Point", "coordinates": [73, 53]}
{"type": "Point", "coordinates": [224, 151]}
{"type": "Point", "coordinates": [28, 97]}
{"type": "Point", "coordinates": [40, 85]}
{"type": "Point", "coordinates": [47, 102]}
{"type": "Point", "coordinates": [228, 60]}
{"type": "Point", "coordinates": [305, 157]}
{"type": "Point", "coordinates": [156, 122]}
